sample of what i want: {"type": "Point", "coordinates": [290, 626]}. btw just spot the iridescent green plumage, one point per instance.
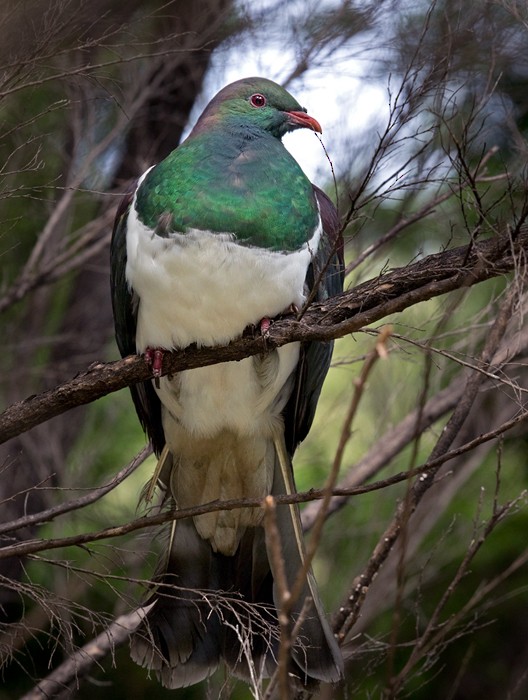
{"type": "Point", "coordinates": [233, 175]}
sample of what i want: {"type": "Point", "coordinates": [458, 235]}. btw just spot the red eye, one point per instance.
{"type": "Point", "coordinates": [257, 100]}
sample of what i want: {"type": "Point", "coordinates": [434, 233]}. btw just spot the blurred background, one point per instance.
{"type": "Point", "coordinates": [424, 108]}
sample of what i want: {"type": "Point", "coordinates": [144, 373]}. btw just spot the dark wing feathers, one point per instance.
{"type": "Point", "coordinates": [146, 401]}
{"type": "Point", "coordinates": [330, 256]}
{"type": "Point", "coordinates": [326, 273]}
{"type": "Point", "coordinates": [122, 301]}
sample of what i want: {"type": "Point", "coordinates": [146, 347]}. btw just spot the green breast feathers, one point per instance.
{"type": "Point", "coordinates": [248, 185]}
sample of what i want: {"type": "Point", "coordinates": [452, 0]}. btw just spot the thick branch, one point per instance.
{"type": "Point", "coordinates": [336, 317]}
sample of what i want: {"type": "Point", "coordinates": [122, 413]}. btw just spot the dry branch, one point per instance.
{"type": "Point", "coordinates": [94, 495]}
{"type": "Point", "coordinates": [365, 304]}
{"type": "Point", "coordinates": [67, 675]}
{"type": "Point", "coordinates": [349, 612]}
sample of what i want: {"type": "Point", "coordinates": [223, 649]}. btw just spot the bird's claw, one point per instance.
{"type": "Point", "coordinates": [154, 358]}
{"type": "Point", "coordinates": [265, 323]}
{"type": "Point", "coordinates": [264, 326]}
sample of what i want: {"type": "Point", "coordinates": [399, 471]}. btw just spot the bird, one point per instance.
{"type": "Point", "coordinates": [225, 234]}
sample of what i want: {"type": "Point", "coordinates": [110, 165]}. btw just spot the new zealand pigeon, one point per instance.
{"type": "Point", "coordinates": [225, 233]}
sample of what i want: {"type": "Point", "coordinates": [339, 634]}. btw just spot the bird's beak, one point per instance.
{"type": "Point", "coordinates": [304, 121]}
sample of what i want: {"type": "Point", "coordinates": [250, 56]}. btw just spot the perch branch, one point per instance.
{"type": "Point", "coordinates": [365, 304]}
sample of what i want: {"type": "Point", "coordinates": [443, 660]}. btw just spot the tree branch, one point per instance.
{"type": "Point", "coordinates": [80, 663]}
{"type": "Point", "coordinates": [94, 495]}
{"type": "Point", "coordinates": [368, 302]}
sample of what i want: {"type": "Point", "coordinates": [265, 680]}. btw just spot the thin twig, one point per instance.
{"type": "Point", "coordinates": [95, 494]}
{"type": "Point", "coordinates": [33, 546]}
{"type": "Point", "coordinates": [349, 612]}
{"type": "Point", "coordinates": [284, 595]}
{"type": "Point", "coordinates": [360, 382]}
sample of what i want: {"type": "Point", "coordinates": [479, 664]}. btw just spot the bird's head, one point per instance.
{"type": "Point", "coordinates": [253, 105]}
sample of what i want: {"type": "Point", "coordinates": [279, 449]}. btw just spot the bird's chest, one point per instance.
{"type": "Point", "coordinates": [205, 288]}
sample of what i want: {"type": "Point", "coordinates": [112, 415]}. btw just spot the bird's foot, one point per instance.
{"type": "Point", "coordinates": [264, 326]}
{"type": "Point", "coordinates": [154, 358]}
{"type": "Point", "coordinates": [265, 323]}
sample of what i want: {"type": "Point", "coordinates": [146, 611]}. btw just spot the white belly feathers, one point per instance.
{"type": "Point", "coordinates": [205, 288]}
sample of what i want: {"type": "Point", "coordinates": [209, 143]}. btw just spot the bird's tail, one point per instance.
{"type": "Point", "coordinates": [315, 651]}
{"type": "Point", "coordinates": [207, 606]}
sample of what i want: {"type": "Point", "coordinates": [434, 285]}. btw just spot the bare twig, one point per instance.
{"type": "Point", "coordinates": [436, 632]}
{"type": "Point", "coordinates": [360, 382]}
{"type": "Point", "coordinates": [33, 546]}
{"type": "Point", "coordinates": [349, 612]}
{"type": "Point", "coordinates": [79, 663]}
{"type": "Point", "coordinates": [95, 494]}
{"type": "Point", "coordinates": [284, 595]}
{"type": "Point", "coordinates": [421, 214]}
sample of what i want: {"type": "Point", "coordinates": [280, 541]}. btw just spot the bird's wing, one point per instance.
{"type": "Point", "coordinates": [146, 401]}
{"type": "Point", "coordinates": [325, 277]}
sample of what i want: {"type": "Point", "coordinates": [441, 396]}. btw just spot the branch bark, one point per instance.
{"type": "Point", "coordinates": [365, 304]}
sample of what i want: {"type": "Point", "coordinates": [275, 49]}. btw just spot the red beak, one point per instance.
{"type": "Point", "coordinates": [304, 121]}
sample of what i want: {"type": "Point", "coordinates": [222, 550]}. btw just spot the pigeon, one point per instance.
{"type": "Point", "coordinates": [225, 234]}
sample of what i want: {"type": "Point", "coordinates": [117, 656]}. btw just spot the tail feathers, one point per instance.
{"type": "Point", "coordinates": [177, 641]}
{"type": "Point", "coordinates": [315, 652]}
{"type": "Point", "coordinates": [251, 636]}
{"type": "Point", "coordinates": [204, 608]}
{"type": "Point", "coordinates": [180, 635]}
{"type": "Point", "coordinates": [208, 606]}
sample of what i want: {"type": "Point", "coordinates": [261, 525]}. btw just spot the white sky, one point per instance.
{"type": "Point", "coordinates": [339, 96]}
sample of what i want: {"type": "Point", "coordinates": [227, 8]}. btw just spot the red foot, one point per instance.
{"type": "Point", "coordinates": [264, 325]}
{"type": "Point", "coordinates": [154, 358]}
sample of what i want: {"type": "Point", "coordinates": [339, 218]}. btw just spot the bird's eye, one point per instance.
{"type": "Point", "coordinates": [257, 100]}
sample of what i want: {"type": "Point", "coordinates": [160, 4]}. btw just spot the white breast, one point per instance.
{"type": "Point", "coordinates": [205, 287]}
{"type": "Point", "coordinates": [230, 396]}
